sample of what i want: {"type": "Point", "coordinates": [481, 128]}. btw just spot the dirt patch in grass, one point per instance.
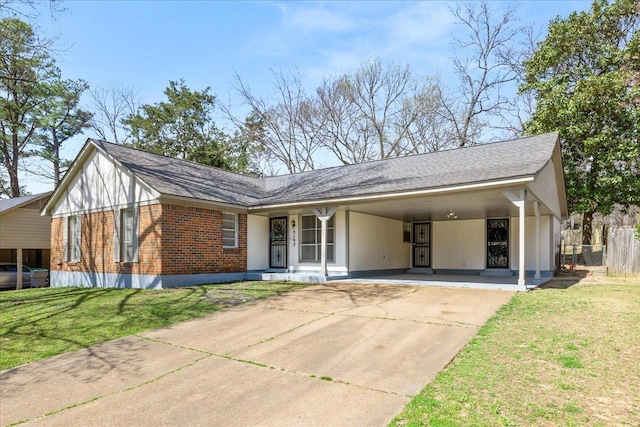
{"type": "Point", "coordinates": [231, 295]}
{"type": "Point", "coordinates": [565, 354]}
{"type": "Point", "coordinates": [228, 297]}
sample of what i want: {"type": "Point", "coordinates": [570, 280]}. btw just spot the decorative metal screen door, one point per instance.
{"type": "Point", "coordinates": [498, 243]}
{"type": "Point", "coordinates": [278, 242]}
{"type": "Point", "coordinates": [422, 244]}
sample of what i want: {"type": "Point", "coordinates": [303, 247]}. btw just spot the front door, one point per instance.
{"type": "Point", "coordinates": [421, 244]}
{"type": "Point", "coordinates": [278, 242]}
{"type": "Point", "coordinates": [498, 243]}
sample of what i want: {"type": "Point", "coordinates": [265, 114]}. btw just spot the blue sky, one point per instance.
{"type": "Point", "coordinates": [147, 43]}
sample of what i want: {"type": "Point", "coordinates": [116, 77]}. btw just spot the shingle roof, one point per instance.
{"type": "Point", "coordinates": [477, 164]}
{"type": "Point", "coordinates": [16, 202]}
{"type": "Point", "coordinates": [176, 177]}
{"type": "Point", "coordinates": [480, 163]}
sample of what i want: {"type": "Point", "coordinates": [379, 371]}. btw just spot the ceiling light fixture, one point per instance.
{"type": "Point", "coordinates": [452, 215]}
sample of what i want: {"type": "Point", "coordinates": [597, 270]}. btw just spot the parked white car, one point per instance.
{"type": "Point", "coordinates": [31, 278]}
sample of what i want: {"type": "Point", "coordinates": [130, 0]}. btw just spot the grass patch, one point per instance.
{"type": "Point", "coordinates": [558, 356]}
{"type": "Point", "coordinates": [570, 362]}
{"type": "Point", "coordinates": [39, 323]}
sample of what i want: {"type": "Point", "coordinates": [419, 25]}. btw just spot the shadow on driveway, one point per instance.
{"type": "Point", "coordinates": [334, 354]}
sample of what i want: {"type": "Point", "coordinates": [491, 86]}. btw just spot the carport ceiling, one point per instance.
{"type": "Point", "coordinates": [466, 205]}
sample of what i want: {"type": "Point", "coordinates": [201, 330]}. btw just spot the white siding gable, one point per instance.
{"type": "Point", "coordinates": [545, 187]}
{"type": "Point", "coordinates": [101, 184]}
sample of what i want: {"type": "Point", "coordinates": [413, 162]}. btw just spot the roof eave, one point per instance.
{"type": "Point", "coordinates": [194, 201]}
{"type": "Point", "coordinates": [82, 156]}
{"type": "Point", "coordinates": [560, 182]}
{"type": "Point", "coordinates": [11, 209]}
{"type": "Point", "coordinates": [394, 195]}
{"type": "Point", "coordinates": [68, 176]}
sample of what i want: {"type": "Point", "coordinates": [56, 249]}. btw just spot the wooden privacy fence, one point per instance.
{"type": "Point", "coordinates": [623, 252]}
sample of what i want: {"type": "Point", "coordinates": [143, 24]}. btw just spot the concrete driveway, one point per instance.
{"type": "Point", "coordinates": [334, 354]}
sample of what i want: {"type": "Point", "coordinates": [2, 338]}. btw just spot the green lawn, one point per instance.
{"type": "Point", "coordinates": [549, 357]}
{"type": "Point", "coordinates": [39, 323]}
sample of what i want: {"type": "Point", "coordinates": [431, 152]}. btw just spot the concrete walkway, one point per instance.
{"type": "Point", "coordinates": [506, 283]}
{"type": "Point", "coordinates": [335, 354]}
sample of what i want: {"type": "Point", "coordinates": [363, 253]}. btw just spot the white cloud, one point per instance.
{"type": "Point", "coordinates": [422, 23]}
{"type": "Point", "coordinates": [316, 19]}
{"type": "Point", "coordinates": [299, 28]}
{"type": "Point", "coordinates": [327, 39]}
{"type": "Point", "coordinates": [415, 33]}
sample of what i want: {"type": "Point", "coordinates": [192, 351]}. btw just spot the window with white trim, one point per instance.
{"type": "Point", "coordinates": [73, 238]}
{"type": "Point", "coordinates": [311, 239]}
{"type": "Point", "coordinates": [229, 230]}
{"type": "Point", "coordinates": [128, 235]}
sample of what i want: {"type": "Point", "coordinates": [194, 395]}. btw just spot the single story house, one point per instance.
{"type": "Point", "coordinates": [25, 235]}
{"type": "Point", "coordinates": [123, 217]}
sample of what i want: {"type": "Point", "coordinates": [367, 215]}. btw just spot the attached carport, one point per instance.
{"type": "Point", "coordinates": [451, 213]}
{"type": "Point", "coordinates": [493, 210]}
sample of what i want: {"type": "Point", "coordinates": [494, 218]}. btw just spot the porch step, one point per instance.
{"type": "Point", "coordinates": [497, 272]}
{"type": "Point", "coordinates": [420, 271]}
{"type": "Point", "coordinates": [293, 277]}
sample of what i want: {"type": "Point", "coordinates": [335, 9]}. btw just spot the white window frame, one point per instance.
{"type": "Point", "coordinates": [73, 242]}
{"type": "Point", "coordinates": [128, 224]}
{"type": "Point", "coordinates": [318, 239]}
{"type": "Point", "coordinates": [126, 234]}
{"type": "Point", "coordinates": [230, 231]}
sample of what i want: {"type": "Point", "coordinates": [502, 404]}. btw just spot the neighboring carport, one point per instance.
{"type": "Point", "coordinates": [25, 235]}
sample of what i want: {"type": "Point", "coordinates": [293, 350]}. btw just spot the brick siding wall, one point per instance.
{"type": "Point", "coordinates": [192, 242]}
{"type": "Point", "coordinates": [57, 250]}
{"type": "Point", "coordinates": [172, 239]}
{"type": "Point", "coordinates": [97, 251]}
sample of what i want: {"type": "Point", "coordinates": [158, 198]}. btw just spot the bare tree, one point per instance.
{"type": "Point", "coordinates": [377, 112]}
{"type": "Point", "coordinates": [25, 8]}
{"type": "Point", "coordinates": [428, 129]}
{"type": "Point", "coordinates": [335, 120]}
{"type": "Point", "coordinates": [380, 111]}
{"type": "Point", "coordinates": [483, 61]}
{"type": "Point", "coordinates": [111, 104]}
{"type": "Point", "coordinates": [520, 108]}
{"type": "Point", "coordinates": [285, 114]}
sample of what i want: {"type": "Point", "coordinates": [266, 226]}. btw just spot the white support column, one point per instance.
{"type": "Point", "coordinates": [19, 269]}
{"type": "Point", "coordinates": [324, 214]}
{"type": "Point", "coordinates": [519, 201]}
{"type": "Point", "coordinates": [323, 248]}
{"type": "Point", "coordinates": [536, 210]}
{"type": "Point", "coordinates": [521, 258]}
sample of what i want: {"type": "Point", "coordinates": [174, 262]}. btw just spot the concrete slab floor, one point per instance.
{"type": "Point", "coordinates": [508, 283]}
{"type": "Point", "coordinates": [391, 356]}
{"type": "Point", "coordinates": [333, 354]}
{"type": "Point", "coordinates": [456, 306]}
{"type": "Point", "coordinates": [52, 384]}
{"type": "Point", "coordinates": [225, 331]}
{"type": "Point", "coordinates": [218, 391]}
